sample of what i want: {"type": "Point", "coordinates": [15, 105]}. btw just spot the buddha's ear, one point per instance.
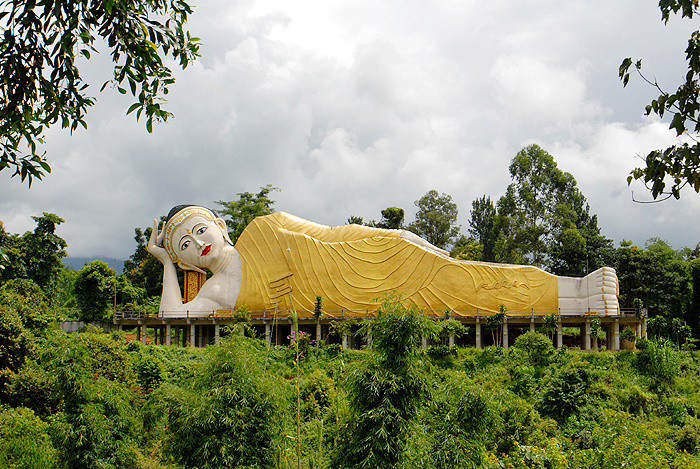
{"type": "Point", "coordinates": [186, 266]}
{"type": "Point", "coordinates": [224, 229]}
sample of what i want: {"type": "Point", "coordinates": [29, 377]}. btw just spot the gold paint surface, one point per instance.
{"type": "Point", "coordinates": [193, 283]}
{"type": "Point", "coordinates": [288, 261]}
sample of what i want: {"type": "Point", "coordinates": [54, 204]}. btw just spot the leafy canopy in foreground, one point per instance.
{"type": "Point", "coordinates": [680, 163]}
{"type": "Point", "coordinates": [44, 42]}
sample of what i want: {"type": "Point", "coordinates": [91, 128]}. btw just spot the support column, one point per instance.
{"type": "Point", "coordinates": [168, 334]}
{"type": "Point", "coordinates": [451, 340]}
{"type": "Point", "coordinates": [477, 332]}
{"type": "Point", "coordinates": [217, 333]}
{"type": "Point", "coordinates": [560, 335]}
{"type": "Point", "coordinates": [369, 335]}
{"type": "Point", "coordinates": [193, 342]}
{"type": "Point", "coordinates": [532, 324]}
{"type": "Point", "coordinates": [345, 341]}
{"type": "Point", "coordinates": [268, 334]}
{"type": "Point", "coordinates": [318, 333]}
{"type": "Point", "coordinates": [505, 332]}
{"type": "Point", "coordinates": [138, 333]}
{"type": "Point", "coordinates": [616, 335]}
{"type": "Point", "coordinates": [424, 342]}
{"type": "Point", "coordinates": [587, 334]}
{"type": "Point", "coordinates": [144, 334]}
{"type": "Point", "coordinates": [242, 330]}
{"type": "Point", "coordinates": [644, 327]}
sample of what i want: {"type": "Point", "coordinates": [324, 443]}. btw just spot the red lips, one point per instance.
{"type": "Point", "coordinates": [206, 250]}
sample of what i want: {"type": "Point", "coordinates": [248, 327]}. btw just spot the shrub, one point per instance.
{"type": "Point", "coordinates": [660, 361]}
{"type": "Point", "coordinates": [538, 347]}
{"type": "Point", "coordinates": [385, 391]}
{"type": "Point", "coordinates": [565, 392]}
{"type": "Point", "coordinates": [227, 415]}
{"type": "Point", "coordinates": [24, 441]}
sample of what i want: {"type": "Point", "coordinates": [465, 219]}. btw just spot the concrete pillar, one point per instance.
{"type": "Point", "coordinates": [532, 324]}
{"type": "Point", "coordinates": [193, 342]}
{"type": "Point", "coordinates": [144, 333]}
{"type": "Point", "coordinates": [644, 327]}
{"type": "Point", "coordinates": [345, 341]}
{"type": "Point", "coordinates": [369, 336]}
{"type": "Point", "coordinates": [168, 334]}
{"type": "Point", "coordinates": [451, 340]}
{"type": "Point", "coordinates": [505, 332]}
{"type": "Point", "coordinates": [587, 334]}
{"type": "Point", "coordinates": [616, 335]}
{"type": "Point", "coordinates": [138, 333]}
{"type": "Point", "coordinates": [560, 335]}
{"type": "Point", "coordinates": [242, 330]}
{"type": "Point", "coordinates": [268, 334]}
{"type": "Point", "coordinates": [217, 333]}
{"type": "Point", "coordinates": [424, 342]}
{"type": "Point", "coordinates": [477, 332]}
{"type": "Point", "coordinates": [318, 333]}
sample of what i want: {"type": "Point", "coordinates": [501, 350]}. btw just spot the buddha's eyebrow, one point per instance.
{"type": "Point", "coordinates": [189, 234]}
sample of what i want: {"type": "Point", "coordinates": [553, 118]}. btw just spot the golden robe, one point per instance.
{"type": "Point", "coordinates": [287, 262]}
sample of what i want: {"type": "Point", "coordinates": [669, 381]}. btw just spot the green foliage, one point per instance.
{"type": "Point", "coordinates": [543, 219]}
{"type": "Point", "coordinates": [679, 163]}
{"type": "Point", "coordinates": [24, 441]}
{"type": "Point", "coordinates": [537, 347]}
{"type": "Point", "coordinates": [659, 360]}
{"type": "Point", "coordinates": [392, 218]}
{"type": "Point", "coordinates": [628, 334]}
{"type": "Point", "coordinates": [40, 81]}
{"type": "Point", "coordinates": [94, 291]}
{"type": "Point", "coordinates": [565, 393]}
{"type": "Point", "coordinates": [483, 226]}
{"type": "Point", "coordinates": [385, 390]}
{"type": "Point", "coordinates": [458, 417]}
{"type": "Point", "coordinates": [239, 213]}
{"type": "Point", "coordinates": [34, 255]}
{"type": "Point", "coordinates": [435, 219]}
{"type": "Point", "coordinates": [225, 416]}
{"type": "Point", "coordinates": [142, 269]}
{"type": "Point", "coordinates": [467, 249]}
{"type": "Point", "coordinates": [28, 300]}
{"type": "Point", "coordinates": [150, 371]}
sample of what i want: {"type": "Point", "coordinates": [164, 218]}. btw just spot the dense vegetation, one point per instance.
{"type": "Point", "coordinates": [92, 399]}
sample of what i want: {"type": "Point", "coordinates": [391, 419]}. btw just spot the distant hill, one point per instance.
{"type": "Point", "coordinates": [77, 263]}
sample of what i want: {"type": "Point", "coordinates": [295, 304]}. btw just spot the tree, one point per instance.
{"type": "Point", "coordinates": [94, 290]}
{"type": "Point", "coordinates": [482, 226]}
{"type": "Point", "coordinates": [392, 218]}
{"type": "Point", "coordinates": [142, 269]}
{"type": "Point", "coordinates": [467, 249]}
{"type": "Point", "coordinates": [40, 82]}
{"type": "Point", "coordinates": [435, 220]}
{"type": "Point", "coordinates": [35, 255]}
{"type": "Point", "coordinates": [679, 163]}
{"type": "Point", "coordinates": [545, 220]}
{"type": "Point", "coordinates": [385, 390]}
{"type": "Point", "coordinates": [355, 220]}
{"type": "Point", "coordinates": [238, 213]}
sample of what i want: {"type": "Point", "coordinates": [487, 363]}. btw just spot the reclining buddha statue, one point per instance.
{"type": "Point", "coordinates": [282, 262]}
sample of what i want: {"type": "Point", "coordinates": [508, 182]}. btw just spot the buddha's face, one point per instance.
{"type": "Point", "coordinates": [196, 238]}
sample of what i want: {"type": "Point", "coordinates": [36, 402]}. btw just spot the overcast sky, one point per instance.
{"type": "Point", "coordinates": [351, 107]}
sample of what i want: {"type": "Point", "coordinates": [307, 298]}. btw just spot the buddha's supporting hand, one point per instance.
{"type": "Point", "coordinates": [170, 297]}
{"type": "Point", "coordinates": [596, 292]}
{"type": "Point", "coordinates": [154, 247]}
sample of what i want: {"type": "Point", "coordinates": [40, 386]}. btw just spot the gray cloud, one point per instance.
{"type": "Point", "coordinates": [350, 108]}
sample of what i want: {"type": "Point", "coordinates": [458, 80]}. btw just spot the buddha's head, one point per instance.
{"type": "Point", "coordinates": [194, 237]}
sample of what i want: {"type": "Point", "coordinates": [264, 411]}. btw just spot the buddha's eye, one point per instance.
{"type": "Point", "coordinates": [201, 230]}
{"type": "Point", "coordinates": [184, 245]}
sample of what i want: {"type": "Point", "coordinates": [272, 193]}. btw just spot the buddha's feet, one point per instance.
{"type": "Point", "coordinates": [596, 293]}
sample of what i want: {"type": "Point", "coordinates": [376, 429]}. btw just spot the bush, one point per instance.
{"type": "Point", "coordinates": [538, 347]}
{"type": "Point", "coordinates": [660, 361]}
{"type": "Point", "coordinates": [225, 416]}
{"type": "Point", "coordinates": [565, 392]}
{"type": "Point", "coordinates": [24, 441]}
